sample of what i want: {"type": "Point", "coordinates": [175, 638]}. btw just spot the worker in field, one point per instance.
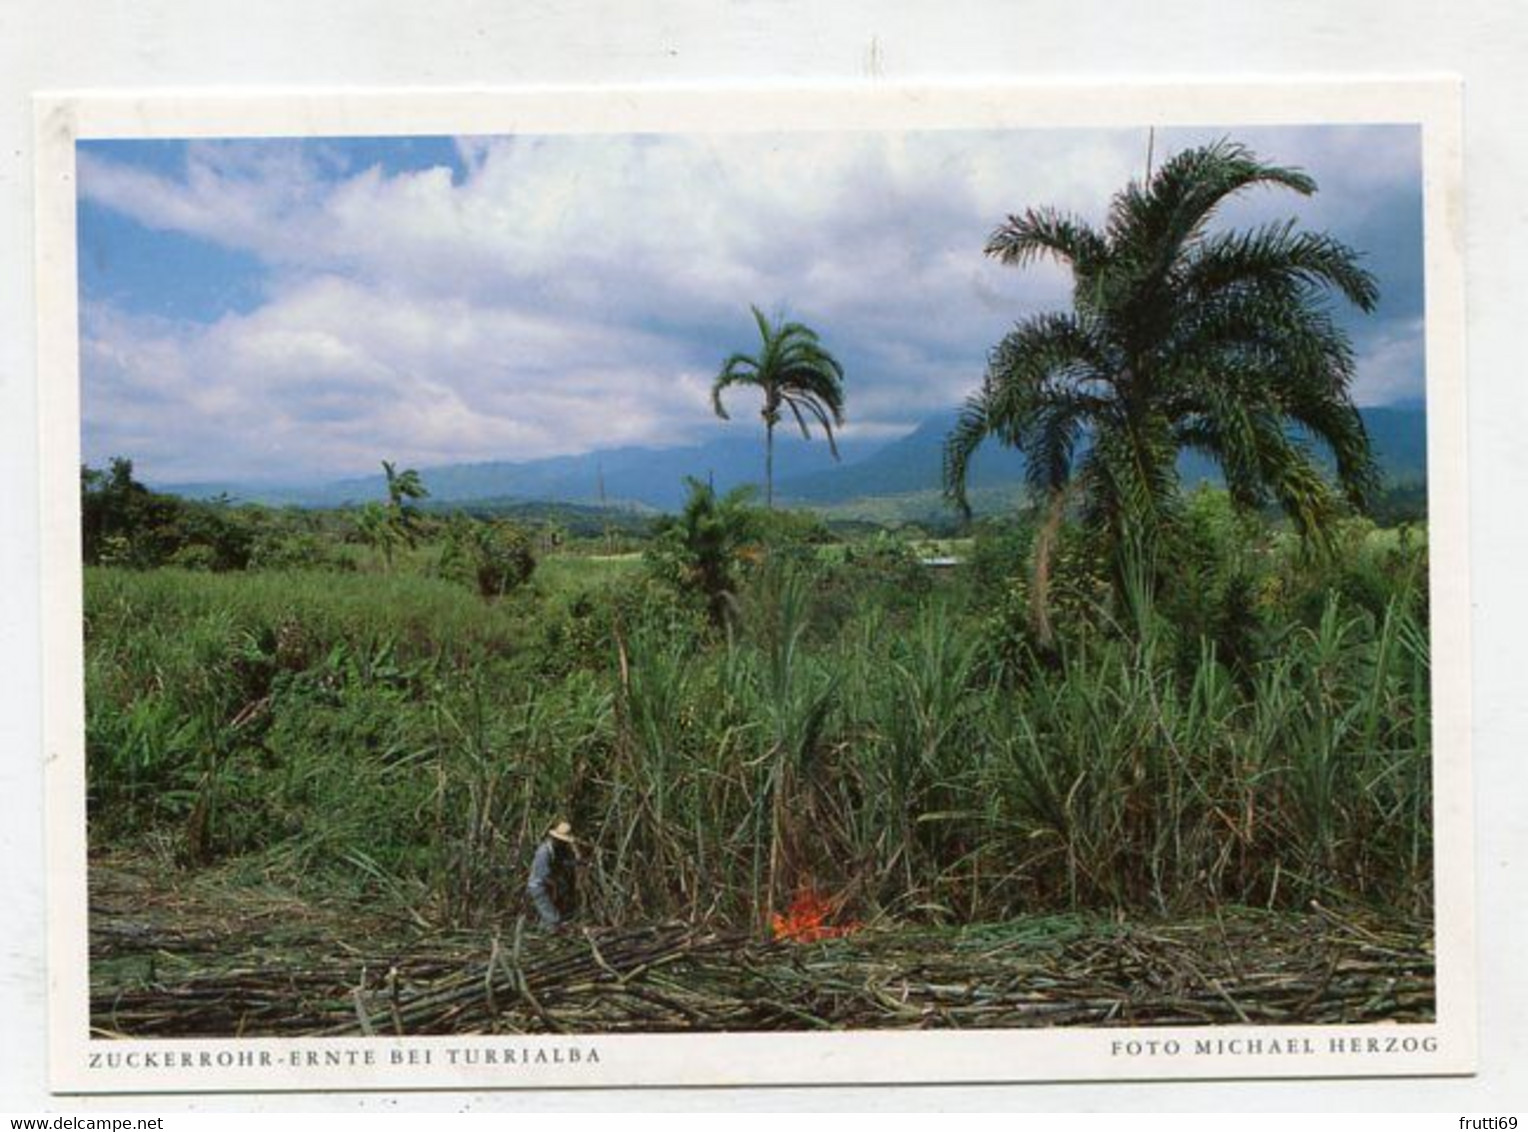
{"type": "Point", "coordinates": [551, 884]}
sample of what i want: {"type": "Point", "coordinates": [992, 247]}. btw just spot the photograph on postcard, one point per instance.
{"type": "Point", "coordinates": [541, 586]}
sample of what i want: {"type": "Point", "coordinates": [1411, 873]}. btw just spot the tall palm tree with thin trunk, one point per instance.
{"type": "Point", "coordinates": [795, 373]}
{"type": "Point", "coordinates": [1179, 337]}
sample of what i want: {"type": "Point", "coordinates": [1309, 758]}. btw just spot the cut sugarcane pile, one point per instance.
{"type": "Point", "coordinates": [1241, 967]}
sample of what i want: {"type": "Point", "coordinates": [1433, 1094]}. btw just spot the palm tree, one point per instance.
{"type": "Point", "coordinates": [396, 524]}
{"type": "Point", "coordinates": [794, 372]}
{"type": "Point", "coordinates": [706, 538]}
{"type": "Point", "coordinates": [375, 525]}
{"type": "Point", "coordinates": [402, 489]}
{"type": "Point", "coordinates": [1178, 338]}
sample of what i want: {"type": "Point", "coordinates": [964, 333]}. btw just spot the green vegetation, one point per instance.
{"type": "Point", "coordinates": [125, 524]}
{"type": "Point", "coordinates": [700, 551]}
{"type": "Point", "coordinates": [792, 371]}
{"type": "Point", "coordinates": [395, 524]}
{"type": "Point", "coordinates": [756, 704]}
{"type": "Point", "coordinates": [735, 702]}
{"type": "Point", "coordinates": [493, 555]}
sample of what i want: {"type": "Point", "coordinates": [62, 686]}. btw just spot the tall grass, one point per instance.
{"type": "Point", "coordinates": [400, 736]}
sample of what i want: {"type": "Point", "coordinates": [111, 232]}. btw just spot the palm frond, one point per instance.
{"type": "Point", "coordinates": [1151, 223]}
{"type": "Point", "coordinates": [1135, 483]}
{"type": "Point", "coordinates": [972, 427]}
{"type": "Point", "coordinates": [1044, 379]}
{"type": "Point", "coordinates": [817, 383]}
{"type": "Point", "coordinates": [739, 369]}
{"type": "Point", "coordinates": [1050, 442]}
{"type": "Point", "coordinates": [1276, 257]}
{"type": "Point", "coordinates": [761, 320]}
{"type": "Point", "coordinates": [799, 404]}
{"type": "Point", "coordinates": [1047, 232]}
{"type": "Point", "coordinates": [1340, 429]}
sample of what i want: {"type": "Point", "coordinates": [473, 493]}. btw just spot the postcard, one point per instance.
{"type": "Point", "coordinates": [718, 586]}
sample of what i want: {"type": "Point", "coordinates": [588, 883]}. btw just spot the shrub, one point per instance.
{"type": "Point", "coordinates": [699, 551]}
{"type": "Point", "coordinates": [493, 556]}
{"type": "Point", "coordinates": [295, 550]}
{"type": "Point", "coordinates": [194, 556]}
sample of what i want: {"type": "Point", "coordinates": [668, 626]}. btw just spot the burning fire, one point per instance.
{"type": "Point", "coordinates": [806, 920]}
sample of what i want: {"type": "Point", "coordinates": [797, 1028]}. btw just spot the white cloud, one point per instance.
{"type": "Point", "coordinates": [576, 292]}
{"type": "Point", "coordinates": [336, 375]}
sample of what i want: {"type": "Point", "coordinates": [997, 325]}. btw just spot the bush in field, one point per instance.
{"type": "Point", "coordinates": [226, 533]}
{"type": "Point", "coordinates": [1367, 566]}
{"type": "Point", "coordinates": [493, 556]}
{"type": "Point", "coordinates": [124, 521]}
{"type": "Point", "coordinates": [397, 524]}
{"type": "Point", "coordinates": [279, 549]}
{"type": "Point", "coordinates": [582, 631]}
{"type": "Point", "coordinates": [699, 552]}
{"type": "Point", "coordinates": [792, 528]}
{"type": "Point", "coordinates": [999, 550]}
{"type": "Point", "coordinates": [1219, 558]}
{"type": "Point", "coordinates": [1037, 585]}
{"type": "Point", "coordinates": [194, 556]}
{"type": "Point", "coordinates": [881, 574]}
{"type": "Point", "coordinates": [887, 561]}
{"type": "Point", "coordinates": [1006, 646]}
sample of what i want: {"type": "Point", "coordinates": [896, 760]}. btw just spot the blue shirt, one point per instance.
{"type": "Point", "coordinates": [541, 866]}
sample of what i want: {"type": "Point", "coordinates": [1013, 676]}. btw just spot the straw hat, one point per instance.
{"type": "Point", "coordinates": [562, 831]}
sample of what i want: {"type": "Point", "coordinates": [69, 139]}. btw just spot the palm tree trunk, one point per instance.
{"type": "Point", "coordinates": [1044, 550]}
{"type": "Point", "coordinates": [769, 464]}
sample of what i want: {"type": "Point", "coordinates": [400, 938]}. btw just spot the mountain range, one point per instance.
{"type": "Point", "coordinates": [650, 479]}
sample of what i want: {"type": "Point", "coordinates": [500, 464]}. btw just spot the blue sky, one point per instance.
{"type": "Point", "coordinates": [301, 308]}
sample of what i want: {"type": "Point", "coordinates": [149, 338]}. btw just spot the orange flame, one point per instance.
{"type": "Point", "coordinates": [807, 920]}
